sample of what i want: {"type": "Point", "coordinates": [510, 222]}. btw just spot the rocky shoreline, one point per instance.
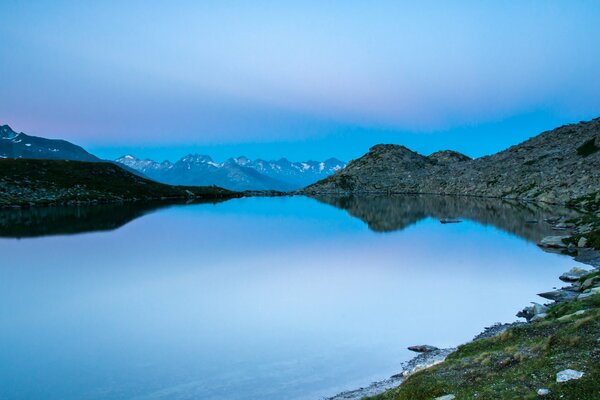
{"type": "Point", "coordinates": [431, 356]}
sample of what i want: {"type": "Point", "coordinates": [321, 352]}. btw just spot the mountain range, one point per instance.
{"type": "Point", "coordinates": [239, 173]}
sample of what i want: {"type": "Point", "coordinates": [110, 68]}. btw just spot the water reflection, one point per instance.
{"type": "Point", "coordinates": [384, 213]}
{"type": "Point", "coordinates": [68, 220]}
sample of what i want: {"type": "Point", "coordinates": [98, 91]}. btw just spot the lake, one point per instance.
{"type": "Point", "coordinates": [255, 298]}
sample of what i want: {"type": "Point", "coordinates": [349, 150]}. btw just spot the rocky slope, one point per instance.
{"type": "Point", "coordinates": [20, 145]}
{"type": "Point", "coordinates": [239, 173]}
{"type": "Point", "coordinates": [36, 182]}
{"type": "Point", "coordinates": [555, 166]}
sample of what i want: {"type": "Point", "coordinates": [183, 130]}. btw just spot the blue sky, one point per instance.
{"type": "Point", "coordinates": [303, 80]}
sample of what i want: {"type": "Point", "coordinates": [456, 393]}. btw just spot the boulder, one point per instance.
{"type": "Point", "coordinates": [555, 242]}
{"type": "Point", "coordinates": [538, 317]}
{"type": "Point", "coordinates": [423, 348]}
{"type": "Point", "coordinates": [559, 295]}
{"type": "Point", "coordinates": [573, 275]}
{"type": "Point", "coordinates": [567, 375]}
{"type": "Point", "coordinates": [530, 312]}
{"type": "Point", "coordinates": [582, 242]}
{"type": "Point", "coordinates": [588, 283]}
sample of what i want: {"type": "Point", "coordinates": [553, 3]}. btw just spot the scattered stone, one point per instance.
{"type": "Point", "coordinates": [446, 397]}
{"type": "Point", "coordinates": [567, 375]}
{"type": "Point", "coordinates": [543, 392]}
{"type": "Point", "coordinates": [423, 348]}
{"type": "Point", "coordinates": [573, 275]}
{"type": "Point", "coordinates": [553, 242]}
{"type": "Point", "coordinates": [582, 242]}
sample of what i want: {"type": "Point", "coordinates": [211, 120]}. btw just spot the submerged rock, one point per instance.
{"type": "Point", "coordinates": [567, 375]}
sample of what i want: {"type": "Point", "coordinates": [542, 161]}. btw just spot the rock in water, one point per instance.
{"type": "Point", "coordinates": [573, 275]}
{"type": "Point", "coordinates": [567, 375]}
{"type": "Point", "coordinates": [423, 348]}
{"type": "Point", "coordinates": [553, 242]}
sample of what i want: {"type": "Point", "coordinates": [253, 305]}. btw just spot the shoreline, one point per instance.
{"type": "Point", "coordinates": [423, 361]}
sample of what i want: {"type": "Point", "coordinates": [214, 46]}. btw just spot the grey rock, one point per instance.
{"type": "Point", "coordinates": [567, 375]}
{"type": "Point", "coordinates": [573, 275]}
{"type": "Point", "coordinates": [590, 282]}
{"type": "Point", "coordinates": [531, 312]}
{"type": "Point", "coordinates": [582, 242]}
{"type": "Point", "coordinates": [543, 392]}
{"type": "Point", "coordinates": [538, 317]}
{"type": "Point", "coordinates": [446, 397]}
{"type": "Point", "coordinates": [423, 348]}
{"type": "Point", "coordinates": [553, 242]}
{"type": "Point", "coordinates": [559, 295]}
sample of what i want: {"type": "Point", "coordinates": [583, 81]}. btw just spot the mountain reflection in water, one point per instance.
{"type": "Point", "coordinates": [386, 213]}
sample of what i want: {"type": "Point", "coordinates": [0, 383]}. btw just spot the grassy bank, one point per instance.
{"type": "Point", "coordinates": [519, 361]}
{"type": "Point", "coordinates": [589, 224]}
{"type": "Point", "coordinates": [26, 182]}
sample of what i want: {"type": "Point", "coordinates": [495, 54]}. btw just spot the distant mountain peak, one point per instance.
{"type": "Point", "coordinates": [6, 132]}
{"type": "Point", "coordinates": [195, 158]}
{"type": "Point", "coordinates": [21, 145]}
{"type": "Point", "coordinates": [238, 173]}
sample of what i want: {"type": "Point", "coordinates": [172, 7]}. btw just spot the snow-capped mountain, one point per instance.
{"type": "Point", "coordinates": [20, 145]}
{"type": "Point", "coordinates": [239, 173]}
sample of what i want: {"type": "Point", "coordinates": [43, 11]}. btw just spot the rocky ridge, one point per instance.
{"type": "Point", "coordinates": [555, 167]}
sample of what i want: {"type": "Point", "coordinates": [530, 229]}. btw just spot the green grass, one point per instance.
{"type": "Point", "coordinates": [588, 148]}
{"type": "Point", "coordinates": [39, 182]}
{"type": "Point", "coordinates": [514, 364]}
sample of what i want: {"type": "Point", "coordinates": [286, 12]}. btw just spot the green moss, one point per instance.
{"type": "Point", "coordinates": [514, 364]}
{"type": "Point", "coordinates": [588, 148]}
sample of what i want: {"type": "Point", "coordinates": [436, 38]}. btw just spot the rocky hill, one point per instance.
{"type": "Point", "coordinates": [556, 166]}
{"type": "Point", "coordinates": [37, 182]}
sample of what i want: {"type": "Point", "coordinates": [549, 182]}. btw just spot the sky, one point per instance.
{"type": "Point", "coordinates": [296, 79]}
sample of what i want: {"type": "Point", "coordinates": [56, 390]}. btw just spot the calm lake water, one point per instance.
{"type": "Point", "coordinates": [254, 298]}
